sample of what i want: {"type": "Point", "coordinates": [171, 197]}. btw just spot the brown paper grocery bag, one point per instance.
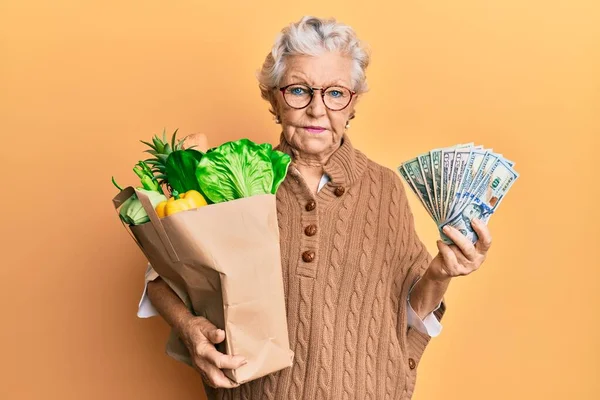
{"type": "Point", "coordinates": [223, 261]}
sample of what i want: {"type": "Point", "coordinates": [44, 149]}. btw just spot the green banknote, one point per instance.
{"type": "Point", "coordinates": [415, 176]}
{"type": "Point", "coordinates": [461, 161]}
{"type": "Point", "coordinates": [436, 172]}
{"type": "Point", "coordinates": [425, 164]}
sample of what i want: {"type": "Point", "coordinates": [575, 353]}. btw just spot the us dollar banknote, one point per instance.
{"type": "Point", "coordinates": [415, 176]}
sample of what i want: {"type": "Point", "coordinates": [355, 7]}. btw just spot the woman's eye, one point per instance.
{"type": "Point", "coordinates": [335, 93]}
{"type": "Point", "coordinates": [298, 91]}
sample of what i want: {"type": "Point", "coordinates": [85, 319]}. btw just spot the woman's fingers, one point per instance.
{"type": "Point", "coordinates": [461, 241]}
{"type": "Point", "coordinates": [211, 363]}
{"type": "Point", "coordinates": [208, 360]}
{"type": "Point", "coordinates": [200, 336]}
{"type": "Point", "coordinates": [221, 360]}
{"type": "Point", "coordinates": [485, 237]}
{"type": "Point", "coordinates": [450, 262]}
{"type": "Point", "coordinates": [463, 257]}
{"type": "Point", "coordinates": [213, 376]}
{"type": "Point", "coordinates": [211, 332]}
{"type": "Point", "coordinates": [216, 336]}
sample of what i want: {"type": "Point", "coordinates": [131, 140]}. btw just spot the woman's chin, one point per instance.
{"type": "Point", "coordinates": [312, 143]}
{"type": "Point", "coordinates": [316, 144]}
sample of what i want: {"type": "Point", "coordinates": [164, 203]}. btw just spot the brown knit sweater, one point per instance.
{"type": "Point", "coordinates": [349, 256]}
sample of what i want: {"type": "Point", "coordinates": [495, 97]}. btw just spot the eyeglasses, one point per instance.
{"type": "Point", "coordinates": [299, 96]}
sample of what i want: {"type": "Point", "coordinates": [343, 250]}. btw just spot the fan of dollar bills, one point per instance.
{"type": "Point", "coordinates": [459, 183]}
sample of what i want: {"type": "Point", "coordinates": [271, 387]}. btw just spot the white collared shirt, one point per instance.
{"type": "Point", "coordinates": [428, 325]}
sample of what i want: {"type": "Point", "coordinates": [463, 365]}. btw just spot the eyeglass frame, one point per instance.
{"type": "Point", "coordinates": [312, 95]}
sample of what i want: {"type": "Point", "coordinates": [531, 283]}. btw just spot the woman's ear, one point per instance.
{"type": "Point", "coordinates": [275, 109]}
{"type": "Point", "coordinates": [353, 104]}
{"type": "Point", "coordinates": [357, 98]}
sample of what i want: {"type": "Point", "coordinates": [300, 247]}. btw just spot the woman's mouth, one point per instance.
{"type": "Point", "coordinates": [314, 129]}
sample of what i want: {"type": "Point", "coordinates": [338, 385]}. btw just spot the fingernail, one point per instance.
{"type": "Point", "coordinates": [446, 228]}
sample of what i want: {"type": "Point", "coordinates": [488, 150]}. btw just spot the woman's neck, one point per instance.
{"type": "Point", "coordinates": [311, 164]}
{"type": "Point", "coordinates": [311, 167]}
{"type": "Point", "coordinates": [311, 174]}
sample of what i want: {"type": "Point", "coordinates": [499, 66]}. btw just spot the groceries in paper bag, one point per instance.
{"type": "Point", "coordinates": [207, 223]}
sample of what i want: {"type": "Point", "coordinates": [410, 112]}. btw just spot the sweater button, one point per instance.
{"type": "Point", "coordinates": [311, 205]}
{"type": "Point", "coordinates": [411, 363]}
{"type": "Point", "coordinates": [310, 230]}
{"type": "Point", "coordinates": [340, 190]}
{"type": "Point", "coordinates": [308, 256]}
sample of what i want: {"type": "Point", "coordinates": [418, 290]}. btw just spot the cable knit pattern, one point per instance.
{"type": "Point", "coordinates": [329, 306]}
{"type": "Point", "coordinates": [283, 220]}
{"type": "Point", "coordinates": [302, 341]}
{"type": "Point", "coordinates": [269, 387]}
{"type": "Point", "coordinates": [392, 356]}
{"type": "Point", "coordinates": [351, 338]}
{"type": "Point", "coordinates": [373, 392]}
{"type": "Point", "coordinates": [245, 392]}
{"type": "Point", "coordinates": [349, 255]}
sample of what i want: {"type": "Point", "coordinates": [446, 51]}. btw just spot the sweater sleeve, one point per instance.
{"type": "Point", "coordinates": [429, 325]}
{"type": "Point", "coordinates": [415, 260]}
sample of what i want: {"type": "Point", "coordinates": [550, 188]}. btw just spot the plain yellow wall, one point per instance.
{"type": "Point", "coordinates": [82, 82]}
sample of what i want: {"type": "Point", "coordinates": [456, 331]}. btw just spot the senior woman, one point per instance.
{"type": "Point", "coordinates": [363, 295]}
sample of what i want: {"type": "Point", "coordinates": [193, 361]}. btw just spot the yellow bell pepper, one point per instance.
{"type": "Point", "coordinates": [180, 202]}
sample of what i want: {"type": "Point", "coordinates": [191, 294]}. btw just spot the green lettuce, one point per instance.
{"type": "Point", "coordinates": [241, 169]}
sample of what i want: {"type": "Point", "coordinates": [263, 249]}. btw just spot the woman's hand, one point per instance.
{"type": "Point", "coordinates": [461, 258]}
{"type": "Point", "coordinates": [200, 337]}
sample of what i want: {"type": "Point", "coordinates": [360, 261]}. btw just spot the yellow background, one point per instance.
{"type": "Point", "coordinates": [81, 82]}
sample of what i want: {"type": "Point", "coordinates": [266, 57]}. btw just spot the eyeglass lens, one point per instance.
{"type": "Point", "coordinates": [334, 97]}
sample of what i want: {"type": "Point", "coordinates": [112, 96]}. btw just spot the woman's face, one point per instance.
{"type": "Point", "coordinates": [315, 131]}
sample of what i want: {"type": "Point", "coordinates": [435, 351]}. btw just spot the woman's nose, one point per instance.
{"type": "Point", "coordinates": [316, 108]}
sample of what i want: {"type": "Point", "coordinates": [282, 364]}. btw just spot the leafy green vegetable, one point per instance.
{"type": "Point", "coordinates": [241, 169]}
{"type": "Point", "coordinates": [132, 212]}
{"type": "Point", "coordinates": [181, 170]}
{"type": "Point", "coordinates": [149, 182]}
{"type": "Point", "coordinates": [280, 162]}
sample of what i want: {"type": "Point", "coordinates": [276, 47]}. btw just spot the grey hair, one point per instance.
{"type": "Point", "coordinates": [312, 36]}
